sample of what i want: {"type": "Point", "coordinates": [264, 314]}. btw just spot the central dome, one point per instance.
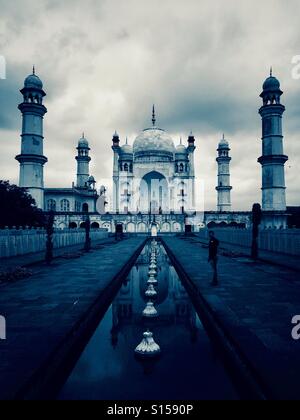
{"type": "Point", "coordinates": [154, 142]}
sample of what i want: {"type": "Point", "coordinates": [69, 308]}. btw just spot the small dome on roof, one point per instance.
{"type": "Point", "coordinates": [127, 149]}
{"type": "Point", "coordinates": [181, 149]}
{"type": "Point", "coordinates": [83, 142]}
{"type": "Point", "coordinates": [271, 84]}
{"type": "Point", "coordinates": [224, 144]}
{"type": "Point", "coordinates": [33, 81]}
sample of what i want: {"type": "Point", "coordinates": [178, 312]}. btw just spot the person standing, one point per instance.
{"type": "Point", "coordinates": [213, 256]}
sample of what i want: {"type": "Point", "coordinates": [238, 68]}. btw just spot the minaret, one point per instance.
{"type": "Point", "coordinates": [191, 149]}
{"type": "Point", "coordinates": [273, 158]}
{"type": "Point", "coordinates": [32, 159]}
{"type": "Point", "coordinates": [83, 163]}
{"type": "Point", "coordinates": [116, 172]}
{"type": "Point", "coordinates": [224, 188]}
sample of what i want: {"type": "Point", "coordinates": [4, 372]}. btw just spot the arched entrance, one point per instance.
{"type": "Point", "coordinates": [154, 229]}
{"type": "Point", "coordinates": [177, 227]}
{"type": "Point", "coordinates": [95, 225]}
{"type": "Point", "coordinates": [166, 227]}
{"type": "Point", "coordinates": [154, 193]}
{"type": "Point", "coordinates": [130, 228]}
{"type": "Point", "coordinates": [142, 228]}
{"type": "Point", "coordinates": [85, 207]}
{"type": "Point", "coordinates": [211, 225]}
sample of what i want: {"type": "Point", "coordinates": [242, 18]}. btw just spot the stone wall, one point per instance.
{"type": "Point", "coordinates": [286, 241]}
{"type": "Point", "coordinates": [15, 242]}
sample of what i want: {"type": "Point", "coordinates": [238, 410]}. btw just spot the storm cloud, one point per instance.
{"type": "Point", "coordinates": [105, 62]}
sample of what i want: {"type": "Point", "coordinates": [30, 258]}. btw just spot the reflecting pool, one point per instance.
{"type": "Point", "coordinates": [187, 367]}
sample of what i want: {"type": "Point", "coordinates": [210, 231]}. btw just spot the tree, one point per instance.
{"type": "Point", "coordinates": [18, 208]}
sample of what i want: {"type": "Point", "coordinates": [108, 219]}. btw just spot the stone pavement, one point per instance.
{"type": "Point", "coordinates": [48, 307]}
{"type": "Point", "coordinates": [254, 304]}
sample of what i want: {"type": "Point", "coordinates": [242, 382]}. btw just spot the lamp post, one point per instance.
{"type": "Point", "coordinates": [49, 242]}
{"type": "Point", "coordinates": [87, 227]}
{"type": "Point", "coordinates": [256, 221]}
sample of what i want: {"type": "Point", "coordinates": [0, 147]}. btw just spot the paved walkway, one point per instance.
{"type": "Point", "coordinates": [42, 310]}
{"type": "Point", "coordinates": [288, 261]}
{"type": "Point", "coordinates": [255, 304]}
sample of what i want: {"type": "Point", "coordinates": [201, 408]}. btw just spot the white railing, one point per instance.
{"type": "Point", "coordinates": [285, 241]}
{"type": "Point", "coordinates": [14, 242]}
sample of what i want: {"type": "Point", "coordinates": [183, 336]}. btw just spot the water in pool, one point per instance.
{"type": "Point", "coordinates": [187, 367]}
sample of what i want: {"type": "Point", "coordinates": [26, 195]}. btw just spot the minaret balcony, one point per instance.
{"type": "Point", "coordinates": [224, 188]}
{"type": "Point", "coordinates": [83, 158]}
{"type": "Point", "coordinates": [31, 158]}
{"type": "Point", "coordinates": [273, 159]}
{"type": "Point", "coordinates": [32, 108]}
{"type": "Point", "coordinates": [271, 109]}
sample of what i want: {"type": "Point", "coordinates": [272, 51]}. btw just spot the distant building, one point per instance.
{"type": "Point", "coordinates": [154, 186]}
{"type": "Point", "coordinates": [163, 174]}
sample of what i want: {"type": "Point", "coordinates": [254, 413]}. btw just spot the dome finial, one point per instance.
{"type": "Point", "coordinates": [223, 136]}
{"type": "Point", "coordinates": [153, 116]}
{"type": "Point", "coordinates": [33, 69]}
{"type": "Point", "coordinates": [126, 140]}
{"type": "Point", "coordinates": [180, 140]}
{"type": "Point", "coordinates": [271, 71]}
{"type": "Point", "coordinates": [83, 134]}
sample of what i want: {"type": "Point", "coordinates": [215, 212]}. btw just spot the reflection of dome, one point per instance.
{"type": "Point", "coordinates": [148, 347]}
{"type": "Point", "coordinates": [162, 286]}
{"type": "Point", "coordinates": [150, 292]}
{"type": "Point", "coordinates": [33, 81]}
{"type": "Point", "coordinates": [271, 84]}
{"type": "Point", "coordinates": [150, 310]}
{"type": "Point", "coordinates": [154, 142]}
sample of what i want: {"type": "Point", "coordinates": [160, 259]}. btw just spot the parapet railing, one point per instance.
{"type": "Point", "coordinates": [14, 242]}
{"type": "Point", "coordinates": [285, 241]}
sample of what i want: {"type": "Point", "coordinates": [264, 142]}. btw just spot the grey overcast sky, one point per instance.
{"type": "Point", "coordinates": [105, 62]}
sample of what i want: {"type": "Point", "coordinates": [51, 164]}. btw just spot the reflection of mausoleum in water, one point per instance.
{"type": "Point", "coordinates": [172, 302]}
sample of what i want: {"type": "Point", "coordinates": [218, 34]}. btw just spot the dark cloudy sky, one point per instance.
{"type": "Point", "coordinates": [104, 62]}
